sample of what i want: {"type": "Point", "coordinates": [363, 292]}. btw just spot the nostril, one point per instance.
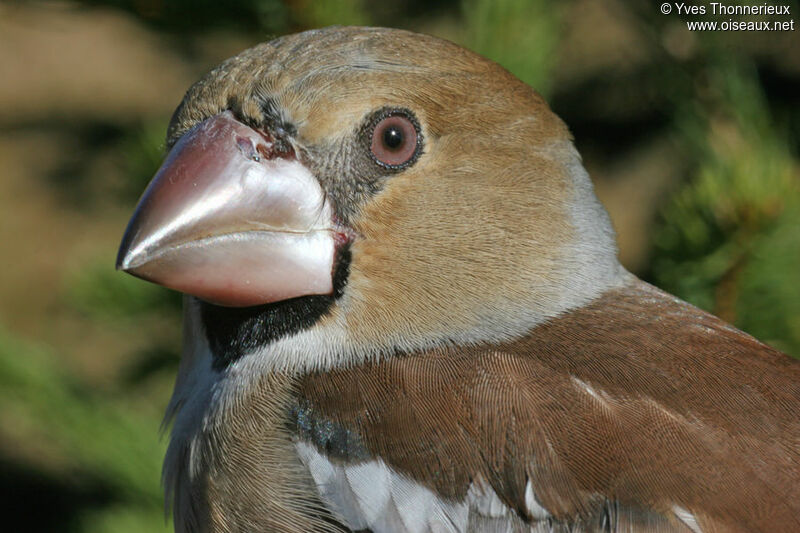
{"type": "Point", "coordinates": [247, 149]}
{"type": "Point", "coordinates": [266, 150]}
{"type": "Point", "coordinates": [258, 149]}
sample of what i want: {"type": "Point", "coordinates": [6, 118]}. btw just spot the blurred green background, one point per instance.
{"type": "Point", "coordinates": [691, 138]}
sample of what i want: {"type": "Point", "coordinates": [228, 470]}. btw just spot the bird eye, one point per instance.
{"type": "Point", "coordinates": [395, 141]}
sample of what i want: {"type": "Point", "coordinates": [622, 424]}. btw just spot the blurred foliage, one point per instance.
{"type": "Point", "coordinates": [315, 13]}
{"type": "Point", "coordinates": [527, 42]}
{"type": "Point", "coordinates": [103, 294]}
{"type": "Point", "coordinates": [81, 435]}
{"type": "Point", "coordinates": [727, 238]}
{"type": "Point", "coordinates": [270, 16]}
{"type": "Point", "coordinates": [142, 150]}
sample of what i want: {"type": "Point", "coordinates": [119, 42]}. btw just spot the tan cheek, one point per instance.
{"type": "Point", "coordinates": [437, 249]}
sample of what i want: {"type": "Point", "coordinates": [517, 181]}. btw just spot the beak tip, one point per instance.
{"type": "Point", "coordinates": [125, 259]}
{"type": "Point", "coordinates": [130, 253]}
{"type": "Point", "coordinates": [119, 264]}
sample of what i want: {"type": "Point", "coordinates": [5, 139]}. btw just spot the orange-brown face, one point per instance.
{"type": "Point", "coordinates": [391, 183]}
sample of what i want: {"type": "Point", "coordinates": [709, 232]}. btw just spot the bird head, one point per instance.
{"type": "Point", "coordinates": [350, 193]}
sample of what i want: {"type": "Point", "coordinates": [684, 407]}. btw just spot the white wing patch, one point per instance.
{"type": "Point", "coordinates": [534, 507]}
{"type": "Point", "coordinates": [687, 518]}
{"type": "Point", "coordinates": [376, 477]}
{"type": "Point", "coordinates": [483, 500]}
{"type": "Point", "coordinates": [371, 495]}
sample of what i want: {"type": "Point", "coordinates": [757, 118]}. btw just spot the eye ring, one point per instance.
{"type": "Point", "coordinates": [395, 141]}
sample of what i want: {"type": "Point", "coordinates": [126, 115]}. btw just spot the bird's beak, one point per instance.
{"type": "Point", "coordinates": [231, 220]}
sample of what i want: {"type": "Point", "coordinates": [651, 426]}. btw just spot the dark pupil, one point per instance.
{"type": "Point", "coordinates": [392, 137]}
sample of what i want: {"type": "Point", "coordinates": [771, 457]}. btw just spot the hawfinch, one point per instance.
{"type": "Point", "coordinates": [405, 313]}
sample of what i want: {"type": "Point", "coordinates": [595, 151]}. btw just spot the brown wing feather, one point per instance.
{"type": "Point", "coordinates": [638, 402]}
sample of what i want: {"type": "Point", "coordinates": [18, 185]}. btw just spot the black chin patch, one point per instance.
{"type": "Point", "coordinates": [235, 331]}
